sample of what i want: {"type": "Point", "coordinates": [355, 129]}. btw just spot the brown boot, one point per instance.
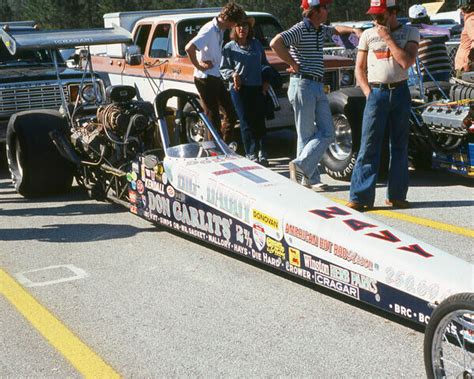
{"type": "Point", "coordinates": [358, 206]}
{"type": "Point", "coordinates": [400, 204]}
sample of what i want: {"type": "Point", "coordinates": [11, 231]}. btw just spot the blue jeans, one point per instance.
{"type": "Point", "coordinates": [384, 108]}
{"type": "Point", "coordinates": [250, 107]}
{"type": "Point", "coordinates": [314, 125]}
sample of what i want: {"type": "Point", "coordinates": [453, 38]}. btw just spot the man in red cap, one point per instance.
{"type": "Point", "coordinates": [301, 47]}
{"type": "Point", "coordinates": [386, 52]}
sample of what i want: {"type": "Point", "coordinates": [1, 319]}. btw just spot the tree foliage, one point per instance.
{"type": "Point", "coordinates": [88, 13]}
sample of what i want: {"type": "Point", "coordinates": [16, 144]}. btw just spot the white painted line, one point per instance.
{"type": "Point", "coordinates": [77, 272]}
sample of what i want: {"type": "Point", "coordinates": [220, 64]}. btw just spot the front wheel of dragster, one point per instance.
{"type": "Point", "coordinates": [35, 164]}
{"type": "Point", "coordinates": [449, 339]}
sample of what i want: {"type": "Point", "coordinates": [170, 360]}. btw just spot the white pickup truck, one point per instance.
{"type": "Point", "coordinates": [162, 35]}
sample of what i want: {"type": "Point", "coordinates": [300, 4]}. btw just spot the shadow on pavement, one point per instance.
{"type": "Point", "coordinates": [74, 233]}
{"type": "Point", "coordinates": [67, 210]}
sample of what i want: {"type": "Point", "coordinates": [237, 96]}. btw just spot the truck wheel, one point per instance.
{"type": "Point", "coordinates": [196, 131]}
{"type": "Point", "coordinates": [340, 158]}
{"type": "Point", "coordinates": [449, 339]}
{"type": "Point", "coordinates": [36, 167]}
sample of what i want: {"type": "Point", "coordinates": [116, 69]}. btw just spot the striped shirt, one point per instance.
{"type": "Point", "coordinates": [306, 46]}
{"type": "Point", "coordinates": [434, 56]}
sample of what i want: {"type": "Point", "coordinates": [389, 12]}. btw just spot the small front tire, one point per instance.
{"type": "Point", "coordinates": [449, 339]}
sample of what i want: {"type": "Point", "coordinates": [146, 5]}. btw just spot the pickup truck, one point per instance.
{"type": "Point", "coordinates": [162, 35]}
{"type": "Point", "coordinates": [28, 79]}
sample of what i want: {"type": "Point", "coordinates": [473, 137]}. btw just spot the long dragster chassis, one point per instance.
{"type": "Point", "coordinates": [132, 153]}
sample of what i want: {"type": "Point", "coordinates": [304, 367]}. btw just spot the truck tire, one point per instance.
{"type": "Point", "coordinates": [340, 158]}
{"type": "Point", "coordinates": [441, 349]}
{"type": "Point", "coordinates": [347, 107]}
{"type": "Point", "coordinates": [36, 167]}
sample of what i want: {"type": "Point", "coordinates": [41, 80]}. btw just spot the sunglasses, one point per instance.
{"type": "Point", "coordinates": [243, 26]}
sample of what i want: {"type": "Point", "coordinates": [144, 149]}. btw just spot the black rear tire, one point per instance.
{"type": "Point", "coordinates": [440, 347]}
{"type": "Point", "coordinates": [340, 157]}
{"type": "Point", "coordinates": [36, 167]}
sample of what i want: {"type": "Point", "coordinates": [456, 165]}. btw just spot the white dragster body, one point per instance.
{"type": "Point", "coordinates": [318, 229]}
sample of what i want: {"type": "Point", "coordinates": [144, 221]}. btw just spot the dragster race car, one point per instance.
{"type": "Point", "coordinates": [136, 154]}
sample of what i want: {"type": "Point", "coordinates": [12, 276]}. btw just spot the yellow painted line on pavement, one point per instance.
{"type": "Point", "coordinates": [420, 221]}
{"type": "Point", "coordinates": [84, 360]}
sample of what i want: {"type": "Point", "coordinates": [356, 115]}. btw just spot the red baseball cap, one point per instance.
{"type": "Point", "coordinates": [380, 6]}
{"type": "Point", "coordinates": [305, 4]}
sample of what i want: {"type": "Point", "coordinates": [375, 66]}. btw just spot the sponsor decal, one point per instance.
{"type": "Point", "coordinates": [294, 257]}
{"type": "Point", "coordinates": [132, 176]}
{"type": "Point", "coordinates": [170, 191]}
{"type": "Point", "coordinates": [228, 201]}
{"type": "Point", "coordinates": [337, 286]}
{"type": "Point", "coordinates": [232, 168]}
{"type": "Point", "coordinates": [155, 186]}
{"type": "Point", "coordinates": [275, 248]}
{"type": "Point", "coordinates": [135, 167]}
{"type": "Point", "coordinates": [134, 209]}
{"type": "Point", "coordinates": [164, 178]}
{"type": "Point", "coordinates": [305, 274]}
{"type": "Point", "coordinates": [133, 185]}
{"type": "Point", "coordinates": [259, 236]}
{"type": "Point", "coordinates": [144, 202]}
{"type": "Point", "coordinates": [316, 264]}
{"type": "Point", "coordinates": [270, 221]}
{"type": "Point", "coordinates": [132, 196]}
{"type": "Point", "coordinates": [140, 187]}
{"type": "Point", "coordinates": [302, 234]}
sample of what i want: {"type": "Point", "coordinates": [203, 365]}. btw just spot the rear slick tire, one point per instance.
{"type": "Point", "coordinates": [449, 339]}
{"type": "Point", "coordinates": [36, 167]}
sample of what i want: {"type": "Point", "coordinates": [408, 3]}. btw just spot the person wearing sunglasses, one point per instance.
{"type": "Point", "coordinates": [385, 54]}
{"type": "Point", "coordinates": [245, 66]}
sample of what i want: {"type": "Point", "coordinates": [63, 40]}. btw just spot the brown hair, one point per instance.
{"type": "Point", "coordinates": [308, 12]}
{"type": "Point", "coordinates": [250, 34]}
{"type": "Point", "coordinates": [232, 12]}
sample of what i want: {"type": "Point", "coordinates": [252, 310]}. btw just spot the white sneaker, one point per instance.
{"type": "Point", "coordinates": [319, 187]}
{"type": "Point", "coordinates": [296, 174]}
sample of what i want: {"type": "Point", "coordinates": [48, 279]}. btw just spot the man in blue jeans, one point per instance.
{"type": "Point", "coordinates": [386, 52]}
{"type": "Point", "coordinates": [301, 47]}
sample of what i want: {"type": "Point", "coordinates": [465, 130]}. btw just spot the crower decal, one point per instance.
{"type": "Point", "coordinates": [232, 168]}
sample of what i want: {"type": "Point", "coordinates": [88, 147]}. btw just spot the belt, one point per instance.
{"type": "Point", "coordinates": [387, 85]}
{"type": "Point", "coordinates": [314, 78]}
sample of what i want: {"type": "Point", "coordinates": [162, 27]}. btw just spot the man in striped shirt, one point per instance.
{"type": "Point", "coordinates": [301, 47]}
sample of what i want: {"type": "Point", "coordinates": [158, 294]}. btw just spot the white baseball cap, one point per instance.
{"type": "Point", "coordinates": [417, 11]}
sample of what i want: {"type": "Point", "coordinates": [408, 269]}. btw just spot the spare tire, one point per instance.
{"type": "Point", "coordinates": [36, 167]}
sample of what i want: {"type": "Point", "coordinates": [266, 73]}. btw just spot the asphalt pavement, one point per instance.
{"type": "Point", "coordinates": [142, 301]}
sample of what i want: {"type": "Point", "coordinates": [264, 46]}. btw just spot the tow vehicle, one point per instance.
{"type": "Point", "coordinates": [128, 151]}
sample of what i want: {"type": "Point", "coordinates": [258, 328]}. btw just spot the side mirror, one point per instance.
{"type": "Point", "coordinates": [133, 55]}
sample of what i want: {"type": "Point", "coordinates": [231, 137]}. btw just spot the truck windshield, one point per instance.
{"type": "Point", "coordinates": [265, 29]}
{"type": "Point", "coordinates": [28, 57]}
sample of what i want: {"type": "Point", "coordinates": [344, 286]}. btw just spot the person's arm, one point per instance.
{"type": "Point", "coordinates": [278, 46]}
{"type": "Point", "coordinates": [227, 65]}
{"type": "Point", "coordinates": [361, 72]}
{"type": "Point", "coordinates": [341, 29]}
{"type": "Point", "coordinates": [191, 50]}
{"type": "Point", "coordinates": [405, 57]}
